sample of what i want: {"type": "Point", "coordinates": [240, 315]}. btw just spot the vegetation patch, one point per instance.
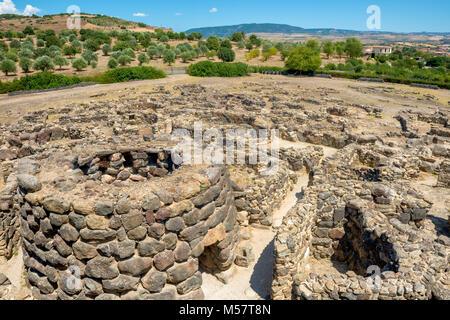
{"type": "Point", "coordinates": [218, 69]}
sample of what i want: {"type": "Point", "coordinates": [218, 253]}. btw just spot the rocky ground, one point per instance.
{"type": "Point", "coordinates": [385, 144]}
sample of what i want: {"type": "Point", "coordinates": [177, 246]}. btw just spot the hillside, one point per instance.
{"type": "Point", "coordinates": [59, 22]}
{"type": "Point", "coordinates": [291, 33]}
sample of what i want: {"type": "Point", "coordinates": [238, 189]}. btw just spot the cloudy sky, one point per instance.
{"type": "Point", "coordinates": [396, 15]}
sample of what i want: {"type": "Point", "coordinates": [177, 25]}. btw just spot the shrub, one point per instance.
{"type": "Point", "coordinates": [116, 54]}
{"type": "Point", "coordinates": [213, 43]}
{"type": "Point", "coordinates": [60, 61]}
{"type": "Point", "coordinates": [330, 66]}
{"type": "Point", "coordinates": [211, 54]}
{"type": "Point", "coordinates": [15, 44]}
{"type": "Point", "coordinates": [79, 64]}
{"type": "Point", "coordinates": [112, 63]}
{"type": "Point", "coordinates": [25, 64]}
{"type": "Point", "coordinates": [40, 43]}
{"type": "Point", "coordinates": [304, 60]}
{"type": "Point", "coordinates": [43, 63]}
{"type": "Point", "coordinates": [217, 69]}
{"type": "Point", "coordinates": [70, 51]}
{"type": "Point", "coordinates": [4, 46]}
{"type": "Point", "coordinates": [124, 60]}
{"type": "Point", "coordinates": [226, 54]}
{"type": "Point", "coordinates": [143, 58]}
{"type": "Point", "coordinates": [129, 52]}
{"type": "Point", "coordinates": [8, 66]}
{"type": "Point", "coordinates": [89, 56]}
{"type": "Point", "coordinates": [106, 49]}
{"type": "Point", "coordinates": [129, 73]}
{"type": "Point", "coordinates": [169, 57]}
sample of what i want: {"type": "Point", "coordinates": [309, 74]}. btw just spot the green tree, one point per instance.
{"type": "Point", "coordinates": [4, 46]}
{"type": "Point", "coordinates": [60, 61]}
{"type": "Point", "coordinates": [79, 64]}
{"type": "Point", "coordinates": [25, 64]}
{"type": "Point", "coordinates": [164, 39]}
{"type": "Point", "coordinates": [248, 46]}
{"type": "Point", "coordinates": [211, 54]}
{"type": "Point", "coordinates": [40, 43]}
{"type": "Point", "coordinates": [152, 52]}
{"type": "Point", "coordinates": [106, 49]}
{"type": "Point", "coordinates": [89, 56]}
{"type": "Point", "coordinates": [353, 48]}
{"type": "Point", "coordinates": [328, 48]}
{"type": "Point", "coordinates": [143, 58]}
{"type": "Point", "coordinates": [213, 43]}
{"type": "Point", "coordinates": [15, 44]}
{"type": "Point", "coordinates": [226, 54]}
{"type": "Point", "coordinates": [8, 66]}
{"type": "Point", "coordinates": [169, 57]}
{"type": "Point", "coordinates": [28, 30]}
{"type": "Point", "coordinates": [340, 49]}
{"type": "Point", "coordinates": [304, 60]}
{"type": "Point", "coordinates": [124, 60]}
{"type": "Point", "coordinates": [12, 55]}
{"type": "Point", "coordinates": [269, 52]}
{"type": "Point", "coordinates": [314, 45]}
{"type": "Point", "coordinates": [226, 44]}
{"type": "Point", "coordinates": [112, 63]}
{"type": "Point", "coordinates": [70, 51]}
{"type": "Point", "coordinates": [129, 52]}
{"type": "Point", "coordinates": [186, 56]}
{"type": "Point", "coordinates": [241, 44]}
{"type": "Point", "coordinates": [43, 63]}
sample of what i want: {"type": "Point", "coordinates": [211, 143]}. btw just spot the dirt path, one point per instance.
{"type": "Point", "coordinates": [13, 269]}
{"type": "Point", "coordinates": [254, 282]}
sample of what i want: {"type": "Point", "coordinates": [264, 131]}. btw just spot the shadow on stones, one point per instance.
{"type": "Point", "coordinates": [441, 225]}
{"type": "Point", "coordinates": [261, 279]}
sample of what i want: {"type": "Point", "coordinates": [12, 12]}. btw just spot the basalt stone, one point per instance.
{"type": "Point", "coordinates": [194, 232]}
{"type": "Point", "coordinates": [39, 213]}
{"type": "Point", "coordinates": [162, 214]}
{"type": "Point", "coordinates": [83, 207]}
{"type": "Point", "coordinates": [137, 234]}
{"type": "Point", "coordinates": [208, 196]}
{"type": "Point", "coordinates": [83, 250]}
{"type": "Point", "coordinates": [132, 220]}
{"type": "Point", "coordinates": [170, 239]}
{"type": "Point", "coordinates": [156, 230]}
{"type": "Point", "coordinates": [55, 259]}
{"type": "Point", "coordinates": [108, 249]}
{"type": "Point", "coordinates": [103, 208]}
{"type": "Point", "coordinates": [338, 215]}
{"type": "Point", "coordinates": [135, 266]}
{"type": "Point", "coordinates": [150, 247]}
{"type": "Point", "coordinates": [164, 196]}
{"type": "Point", "coordinates": [179, 207]}
{"type": "Point", "coordinates": [151, 203]}
{"type": "Point", "coordinates": [40, 239]}
{"type": "Point", "coordinates": [190, 284]}
{"type": "Point", "coordinates": [77, 220]}
{"type": "Point", "coordinates": [182, 251]}
{"type": "Point", "coordinates": [217, 217]}
{"type": "Point", "coordinates": [164, 260]}
{"type": "Point", "coordinates": [192, 217]}
{"type": "Point", "coordinates": [418, 214]}
{"type": "Point", "coordinates": [175, 224]}
{"type": "Point", "coordinates": [69, 233]}
{"type": "Point", "coordinates": [92, 288]}
{"type": "Point", "coordinates": [29, 183]}
{"type": "Point", "coordinates": [69, 284]}
{"type": "Point", "coordinates": [102, 268]}
{"type": "Point", "coordinates": [120, 284]}
{"type": "Point", "coordinates": [154, 281]}
{"type": "Point", "coordinates": [125, 249]}
{"type": "Point", "coordinates": [207, 210]}
{"type": "Point", "coordinates": [95, 222]}
{"type": "Point", "coordinates": [62, 247]}
{"type": "Point", "coordinates": [55, 205]}
{"type": "Point", "coordinates": [122, 206]}
{"type": "Point", "coordinates": [115, 223]}
{"type": "Point", "coordinates": [182, 271]}
{"type": "Point", "coordinates": [58, 220]}
{"type": "Point", "coordinates": [97, 235]}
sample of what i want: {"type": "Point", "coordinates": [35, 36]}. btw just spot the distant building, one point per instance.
{"type": "Point", "coordinates": [377, 50]}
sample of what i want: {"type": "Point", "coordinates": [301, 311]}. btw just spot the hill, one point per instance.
{"type": "Point", "coordinates": [58, 22]}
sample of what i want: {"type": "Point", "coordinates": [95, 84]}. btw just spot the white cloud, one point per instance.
{"type": "Point", "coordinates": [178, 14]}
{"type": "Point", "coordinates": [213, 10]}
{"type": "Point", "coordinates": [30, 10]}
{"type": "Point", "coordinates": [7, 6]}
{"type": "Point", "coordinates": [139, 14]}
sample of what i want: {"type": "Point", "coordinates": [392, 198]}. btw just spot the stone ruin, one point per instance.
{"type": "Point", "coordinates": [90, 192]}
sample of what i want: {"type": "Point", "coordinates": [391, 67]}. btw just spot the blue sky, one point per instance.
{"type": "Point", "coordinates": [396, 15]}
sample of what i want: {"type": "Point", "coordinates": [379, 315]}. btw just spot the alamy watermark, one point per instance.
{"type": "Point", "coordinates": [74, 20]}
{"type": "Point", "coordinates": [374, 20]}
